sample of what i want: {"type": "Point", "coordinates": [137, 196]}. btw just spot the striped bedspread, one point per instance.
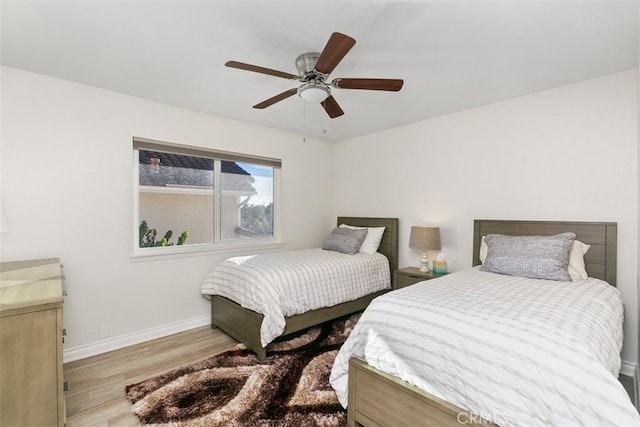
{"type": "Point", "coordinates": [294, 282]}
{"type": "Point", "coordinates": [520, 352]}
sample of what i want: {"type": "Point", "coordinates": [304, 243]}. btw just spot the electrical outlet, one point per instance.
{"type": "Point", "coordinates": [104, 331]}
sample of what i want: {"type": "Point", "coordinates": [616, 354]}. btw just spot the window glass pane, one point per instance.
{"type": "Point", "coordinates": [247, 201]}
{"type": "Point", "coordinates": [175, 199]}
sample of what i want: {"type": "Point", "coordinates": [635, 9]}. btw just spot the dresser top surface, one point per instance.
{"type": "Point", "coordinates": [31, 284]}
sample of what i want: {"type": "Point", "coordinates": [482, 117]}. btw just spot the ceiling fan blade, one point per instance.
{"type": "Point", "coordinates": [279, 97]}
{"type": "Point", "coordinates": [332, 108]}
{"type": "Point", "coordinates": [263, 70]}
{"type": "Point", "coordinates": [393, 85]}
{"type": "Point", "coordinates": [336, 48]}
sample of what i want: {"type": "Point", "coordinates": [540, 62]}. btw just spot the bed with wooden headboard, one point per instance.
{"type": "Point", "coordinates": [244, 325]}
{"type": "Point", "coordinates": [377, 398]}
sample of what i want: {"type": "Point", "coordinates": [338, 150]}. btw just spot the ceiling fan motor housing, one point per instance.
{"type": "Point", "coordinates": [314, 89]}
{"type": "Point", "coordinates": [306, 64]}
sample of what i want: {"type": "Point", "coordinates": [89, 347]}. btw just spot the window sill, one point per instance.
{"type": "Point", "coordinates": [157, 254]}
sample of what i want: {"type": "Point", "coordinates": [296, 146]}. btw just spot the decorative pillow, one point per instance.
{"type": "Point", "coordinates": [345, 240]}
{"type": "Point", "coordinates": [576, 267]}
{"type": "Point", "coordinates": [372, 241]}
{"type": "Point", "coordinates": [537, 257]}
{"type": "Point", "coordinates": [576, 261]}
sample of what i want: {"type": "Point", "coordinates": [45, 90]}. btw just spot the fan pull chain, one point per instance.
{"type": "Point", "coordinates": [304, 122]}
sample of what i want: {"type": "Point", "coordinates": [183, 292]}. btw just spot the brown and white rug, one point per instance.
{"type": "Point", "coordinates": [289, 388]}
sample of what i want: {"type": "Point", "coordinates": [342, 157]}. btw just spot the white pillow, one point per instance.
{"type": "Point", "coordinates": [372, 241]}
{"type": "Point", "coordinates": [484, 248]}
{"type": "Point", "coordinates": [576, 258]}
{"type": "Point", "coordinates": [576, 261]}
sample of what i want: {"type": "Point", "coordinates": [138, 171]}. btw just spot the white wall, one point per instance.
{"type": "Point", "coordinates": [67, 189]}
{"type": "Point", "coordinates": [569, 153]}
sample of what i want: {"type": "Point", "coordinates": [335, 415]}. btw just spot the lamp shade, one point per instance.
{"type": "Point", "coordinates": [425, 238]}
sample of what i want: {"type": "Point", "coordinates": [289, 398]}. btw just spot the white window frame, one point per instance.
{"type": "Point", "coordinates": [218, 245]}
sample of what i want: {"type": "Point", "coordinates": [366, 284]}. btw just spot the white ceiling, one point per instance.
{"type": "Point", "coordinates": [452, 55]}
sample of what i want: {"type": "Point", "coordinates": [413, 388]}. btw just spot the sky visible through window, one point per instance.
{"type": "Point", "coordinates": [263, 185]}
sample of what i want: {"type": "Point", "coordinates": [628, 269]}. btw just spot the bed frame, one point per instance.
{"type": "Point", "coordinates": [380, 399]}
{"type": "Point", "coordinates": [244, 325]}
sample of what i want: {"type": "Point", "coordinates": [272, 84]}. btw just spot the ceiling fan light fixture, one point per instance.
{"type": "Point", "coordinates": [314, 93]}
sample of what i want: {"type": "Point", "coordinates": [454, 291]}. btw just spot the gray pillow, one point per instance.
{"type": "Point", "coordinates": [345, 240]}
{"type": "Point", "coordinates": [537, 257]}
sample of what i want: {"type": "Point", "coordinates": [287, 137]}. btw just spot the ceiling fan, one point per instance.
{"type": "Point", "coordinates": [313, 69]}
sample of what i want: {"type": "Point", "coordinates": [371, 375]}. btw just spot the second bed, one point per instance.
{"type": "Point", "coordinates": [261, 298]}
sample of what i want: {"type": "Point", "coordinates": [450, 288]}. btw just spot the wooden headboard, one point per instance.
{"type": "Point", "coordinates": [389, 244]}
{"type": "Point", "coordinates": [600, 260]}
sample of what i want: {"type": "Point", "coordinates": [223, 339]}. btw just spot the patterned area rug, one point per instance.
{"type": "Point", "coordinates": [289, 388]}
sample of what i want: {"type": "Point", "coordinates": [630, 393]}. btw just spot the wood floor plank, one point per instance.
{"type": "Point", "coordinates": [96, 396]}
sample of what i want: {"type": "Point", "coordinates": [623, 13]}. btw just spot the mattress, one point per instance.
{"type": "Point", "coordinates": [517, 351]}
{"type": "Point", "coordinates": [284, 284]}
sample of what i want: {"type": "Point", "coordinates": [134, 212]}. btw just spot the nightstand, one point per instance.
{"type": "Point", "coordinates": [411, 275]}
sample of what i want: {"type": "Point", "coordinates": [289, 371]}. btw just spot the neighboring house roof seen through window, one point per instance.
{"type": "Point", "coordinates": [167, 169]}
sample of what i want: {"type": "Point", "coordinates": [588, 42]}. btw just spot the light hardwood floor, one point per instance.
{"type": "Point", "coordinates": [96, 384]}
{"type": "Point", "coordinates": [96, 396]}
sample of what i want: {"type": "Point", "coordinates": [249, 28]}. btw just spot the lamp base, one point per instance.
{"type": "Point", "coordinates": [424, 263]}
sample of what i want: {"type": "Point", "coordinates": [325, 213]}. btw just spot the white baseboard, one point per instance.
{"type": "Point", "coordinates": [110, 344]}
{"type": "Point", "coordinates": [636, 382]}
{"type": "Point", "coordinates": [628, 369]}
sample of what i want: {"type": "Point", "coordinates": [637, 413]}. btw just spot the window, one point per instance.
{"type": "Point", "coordinates": [197, 199]}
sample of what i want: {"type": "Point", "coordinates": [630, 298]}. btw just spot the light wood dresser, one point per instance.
{"type": "Point", "coordinates": [31, 380]}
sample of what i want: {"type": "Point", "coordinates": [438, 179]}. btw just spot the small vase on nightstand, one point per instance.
{"type": "Point", "coordinates": [440, 264]}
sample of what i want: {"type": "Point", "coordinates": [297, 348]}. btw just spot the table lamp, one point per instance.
{"type": "Point", "coordinates": [425, 239]}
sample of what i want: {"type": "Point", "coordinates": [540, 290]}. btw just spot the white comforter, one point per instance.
{"type": "Point", "coordinates": [520, 352]}
{"type": "Point", "coordinates": [294, 282]}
